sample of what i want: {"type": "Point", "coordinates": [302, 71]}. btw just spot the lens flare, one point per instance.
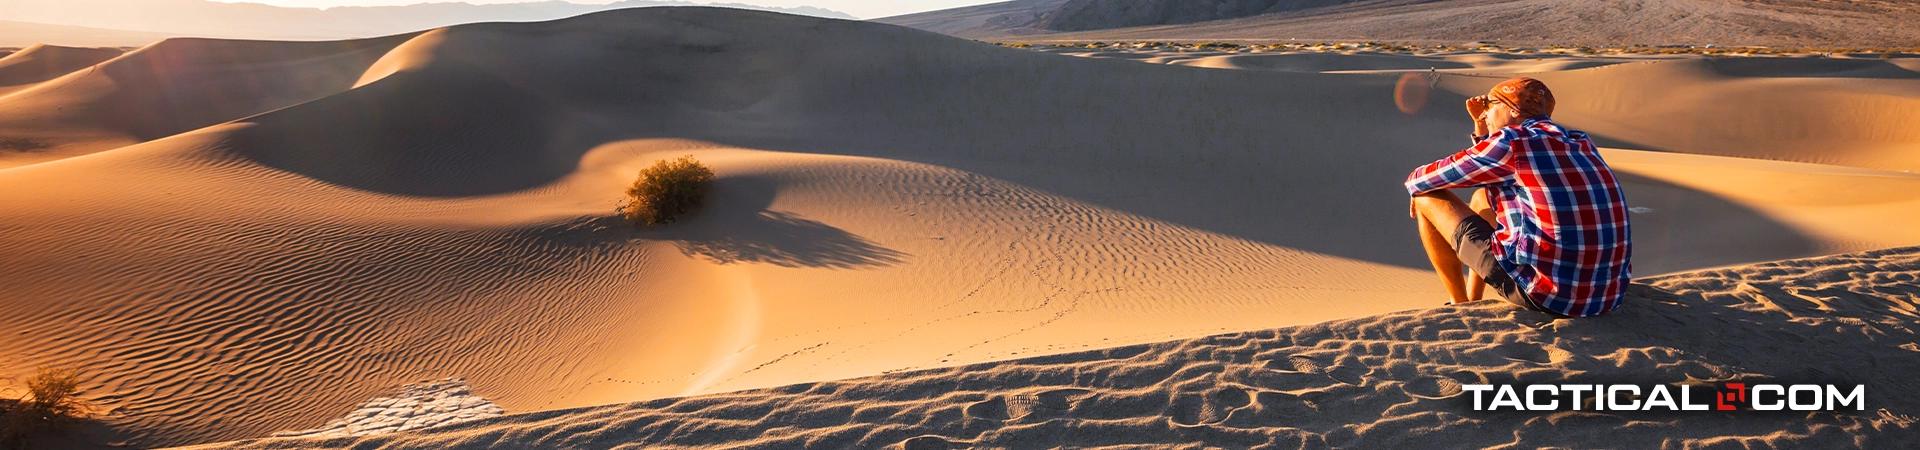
{"type": "Point", "coordinates": [1411, 93]}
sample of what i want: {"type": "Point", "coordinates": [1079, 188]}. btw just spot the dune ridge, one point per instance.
{"type": "Point", "coordinates": [1387, 381]}
{"type": "Point", "coordinates": [344, 218]}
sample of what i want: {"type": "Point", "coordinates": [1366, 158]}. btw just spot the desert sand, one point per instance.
{"type": "Point", "coordinates": [241, 238]}
{"type": "Point", "coordinates": [1385, 381]}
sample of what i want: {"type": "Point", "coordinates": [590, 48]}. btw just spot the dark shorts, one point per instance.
{"type": "Point", "coordinates": [1473, 240]}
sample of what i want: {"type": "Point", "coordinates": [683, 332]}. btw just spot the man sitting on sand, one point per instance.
{"type": "Point", "coordinates": [1561, 246]}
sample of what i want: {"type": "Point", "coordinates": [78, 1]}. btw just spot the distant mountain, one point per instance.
{"type": "Point", "coordinates": [257, 21]}
{"type": "Point", "coordinates": [1804, 23]}
{"type": "Point", "coordinates": [1081, 15]}
{"type": "Point", "coordinates": [1014, 18]}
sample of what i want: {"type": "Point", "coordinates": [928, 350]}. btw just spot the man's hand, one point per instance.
{"type": "Point", "coordinates": [1477, 107]}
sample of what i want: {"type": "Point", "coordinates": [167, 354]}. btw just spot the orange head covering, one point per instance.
{"type": "Point", "coordinates": [1527, 95]}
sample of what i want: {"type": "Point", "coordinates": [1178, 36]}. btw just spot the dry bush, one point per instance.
{"type": "Point", "coordinates": [667, 190]}
{"type": "Point", "coordinates": [52, 404]}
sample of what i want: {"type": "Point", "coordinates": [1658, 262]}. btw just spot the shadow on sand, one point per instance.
{"type": "Point", "coordinates": [737, 227]}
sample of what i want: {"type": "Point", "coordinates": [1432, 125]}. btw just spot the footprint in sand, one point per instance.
{"type": "Point", "coordinates": [1208, 407]}
{"type": "Point", "coordinates": [1354, 375]}
{"type": "Point", "coordinates": [1270, 409]}
{"type": "Point", "coordinates": [1016, 406]}
{"type": "Point", "coordinates": [994, 409]}
{"type": "Point", "coordinates": [1274, 375]}
{"type": "Point", "coordinates": [927, 443]}
{"type": "Point", "coordinates": [1525, 352]}
{"type": "Point", "coordinates": [1343, 373]}
{"type": "Point", "coordinates": [1305, 364]}
{"type": "Point", "coordinates": [1045, 403]}
{"type": "Point", "coordinates": [1432, 388]}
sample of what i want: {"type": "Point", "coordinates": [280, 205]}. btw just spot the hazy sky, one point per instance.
{"type": "Point", "coordinates": [865, 9]}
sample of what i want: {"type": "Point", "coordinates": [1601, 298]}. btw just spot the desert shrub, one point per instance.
{"type": "Point", "coordinates": [667, 190]}
{"type": "Point", "coordinates": [52, 403]}
{"type": "Point", "coordinates": [21, 144]}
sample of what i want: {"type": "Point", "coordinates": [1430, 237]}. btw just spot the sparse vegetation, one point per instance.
{"type": "Point", "coordinates": [52, 403]}
{"type": "Point", "coordinates": [666, 191]}
{"type": "Point", "coordinates": [20, 144]}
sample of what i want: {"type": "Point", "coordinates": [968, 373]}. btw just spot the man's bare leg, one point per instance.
{"type": "Point", "coordinates": [1438, 215]}
{"type": "Point", "coordinates": [1482, 205]}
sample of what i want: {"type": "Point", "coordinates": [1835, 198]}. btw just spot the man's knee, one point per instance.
{"type": "Point", "coordinates": [1441, 206]}
{"type": "Point", "coordinates": [1442, 210]}
{"type": "Point", "coordinates": [1482, 204]}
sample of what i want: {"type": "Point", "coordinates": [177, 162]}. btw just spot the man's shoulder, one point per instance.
{"type": "Point", "coordinates": [1542, 127]}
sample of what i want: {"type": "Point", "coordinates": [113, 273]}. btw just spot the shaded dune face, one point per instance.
{"type": "Point", "coordinates": [368, 213]}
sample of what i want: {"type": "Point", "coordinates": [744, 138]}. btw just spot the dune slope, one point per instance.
{"type": "Point", "coordinates": [441, 205]}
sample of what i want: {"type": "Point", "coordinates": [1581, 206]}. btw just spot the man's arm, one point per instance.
{"type": "Point", "coordinates": [1489, 161]}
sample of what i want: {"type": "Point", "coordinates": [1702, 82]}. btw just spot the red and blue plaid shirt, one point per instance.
{"type": "Point", "coordinates": [1563, 233]}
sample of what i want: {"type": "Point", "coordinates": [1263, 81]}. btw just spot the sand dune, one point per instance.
{"type": "Point", "coordinates": [1388, 381]}
{"type": "Point", "coordinates": [291, 229]}
{"type": "Point", "coordinates": [176, 86]}
{"type": "Point", "coordinates": [38, 63]}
